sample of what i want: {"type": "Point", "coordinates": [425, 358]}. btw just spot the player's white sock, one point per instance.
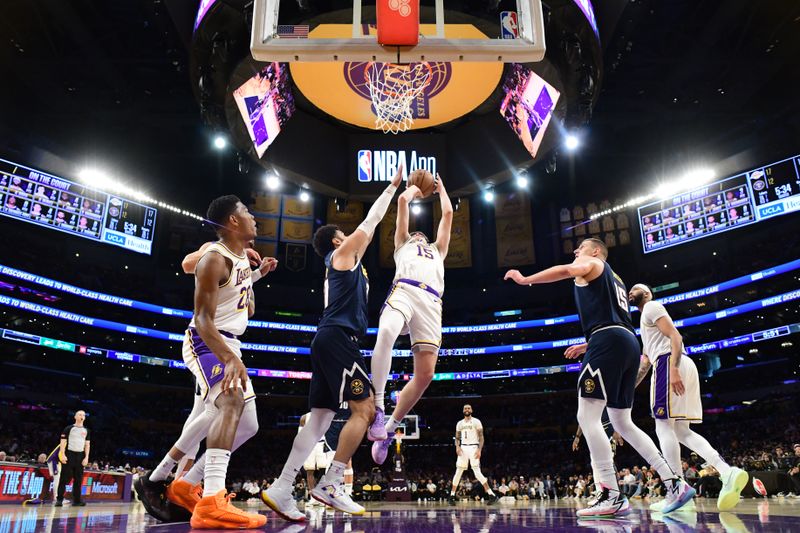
{"type": "Point", "coordinates": [640, 441]}
{"type": "Point", "coordinates": [389, 327]}
{"type": "Point", "coordinates": [163, 469]}
{"type": "Point", "coordinates": [590, 413]}
{"type": "Point", "coordinates": [316, 426]}
{"type": "Point", "coordinates": [336, 471]}
{"type": "Point", "coordinates": [698, 444]}
{"type": "Point", "coordinates": [391, 425]}
{"type": "Point", "coordinates": [196, 473]}
{"type": "Point", "coordinates": [216, 469]}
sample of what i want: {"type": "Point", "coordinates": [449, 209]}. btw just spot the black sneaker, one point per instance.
{"type": "Point", "coordinates": [79, 504]}
{"type": "Point", "coordinates": [491, 499]}
{"type": "Point", "coordinates": [153, 495]}
{"type": "Point", "coordinates": [451, 500]}
{"type": "Point", "coordinates": [59, 503]}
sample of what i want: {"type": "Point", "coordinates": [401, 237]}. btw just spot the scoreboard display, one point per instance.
{"type": "Point", "coordinates": [726, 204]}
{"type": "Point", "coordinates": [43, 199]}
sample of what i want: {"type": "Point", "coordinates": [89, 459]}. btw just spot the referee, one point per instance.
{"type": "Point", "coordinates": [73, 454]}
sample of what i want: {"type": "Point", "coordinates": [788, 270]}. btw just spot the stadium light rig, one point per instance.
{"type": "Point", "coordinates": [522, 182]}
{"type": "Point", "coordinates": [220, 142]}
{"type": "Point", "coordinates": [691, 180]}
{"type": "Point", "coordinates": [304, 196]}
{"type": "Point", "coordinates": [571, 142]}
{"type": "Point", "coordinates": [101, 180]}
{"type": "Point", "coordinates": [273, 182]}
{"type": "Point", "coordinates": [488, 195]}
{"type": "Point", "coordinates": [416, 209]}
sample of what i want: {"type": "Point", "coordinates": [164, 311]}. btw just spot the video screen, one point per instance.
{"type": "Point", "coordinates": [265, 102]}
{"type": "Point", "coordinates": [528, 105]}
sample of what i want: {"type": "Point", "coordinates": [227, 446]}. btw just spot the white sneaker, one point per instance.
{"type": "Point", "coordinates": [606, 504]}
{"type": "Point", "coordinates": [282, 502]}
{"type": "Point", "coordinates": [678, 495]}
{"type": "Point", "coordinates": [732, 486]}
{"type": "Point", "coordinates": [332, 494]}
{"type": "Point", "coordinates": [658, 506]}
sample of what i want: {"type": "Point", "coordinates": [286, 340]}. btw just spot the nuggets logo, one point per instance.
{"type": "Point", "coordinates": [588, 386]}
{"type": "Point", "coordinates": [216, 370]}
{"type": "Point", "coordinates": [357, 387]}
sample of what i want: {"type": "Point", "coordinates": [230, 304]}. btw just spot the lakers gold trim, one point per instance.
{"type": "Point", "coordinates": [199, 367]}
{"type": "Point", "coordinates": [237, 256]}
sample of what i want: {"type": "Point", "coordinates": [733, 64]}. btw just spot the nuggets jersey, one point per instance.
{"type": "Point", "coordinates": [345, 298]}
{"type": "Point", "coordinates": [603, 302]}
{"type": "Point", "coordinates": [468, 431]}
{"type": "Point", "coordinates": [420, 262]}
{"type": "Point", "coordinates": [234, 295]}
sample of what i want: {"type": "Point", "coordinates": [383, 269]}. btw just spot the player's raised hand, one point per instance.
{"type": "Point", "coordinates": [411, 193]}
{"type": "Point", "coordinates": [575, 351]}
{"type": "Point", "coordinates": [676, 382]}
{"type": "Point", "coordinates": [234, 370]}
{"type": "Point", "coordinates": [438, 185]}
{"type": "Point", "coordinates": [515, 276]}
{"type": "Point", "coordinates": [268, 264]}
{"type": "Point", "coordinates": [253, 256]}
{"type": "Point", "coordinates": [398, 176]}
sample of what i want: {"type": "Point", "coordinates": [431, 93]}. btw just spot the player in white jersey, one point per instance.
{"type": "Point", "coordinates": [414, 305]}
{"type": "Point", "coordinates": [212, 352]}
{"type": "Point", "coordinates": [675, 395]}
{"type": "Point", "coordinates": [469, 445]}
{"type": "Point", "coordinates": [184, 491]}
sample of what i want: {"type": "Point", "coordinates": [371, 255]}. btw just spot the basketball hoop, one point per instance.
{"type": "Point", "coordinates": [393, 88]}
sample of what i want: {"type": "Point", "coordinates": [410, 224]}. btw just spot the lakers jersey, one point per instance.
{"type": "Point", "coordinates": [234, 294]}
{"type": "Point", "coordinates": [420, 262]}
{"type": "Point", "coordinates": [468, 431]}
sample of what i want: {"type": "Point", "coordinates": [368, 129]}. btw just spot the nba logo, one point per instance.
{"type": "Point", "coordinates": [508, 25]}
{"type": "Point", "coordinates": [365, 166]}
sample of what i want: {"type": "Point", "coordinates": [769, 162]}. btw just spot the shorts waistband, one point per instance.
{"type": "Point", "coordinates": [476, 444]}
{"type": "Point", "coordinates": [609, 326]}
{"type": "Point", "coordinates": [193, 331]}
{"type": "Point", "coordinates": [348, 332]}
{"type": "Point", "coordinates": [420, 285]}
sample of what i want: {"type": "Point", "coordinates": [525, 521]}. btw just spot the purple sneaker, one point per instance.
{"type": "Point", "coordinates": [377, 430]}
{"type": "Point", "coordinates": [380, 450]}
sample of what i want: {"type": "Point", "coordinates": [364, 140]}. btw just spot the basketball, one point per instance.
{"type": "Point", "coordinates": [424, 180]}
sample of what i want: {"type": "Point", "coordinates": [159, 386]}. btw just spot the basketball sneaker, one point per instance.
{"type": "Point", "coordinates": [606, 504]}
{"type": "Point", "coordinates": [152, 494]}
{"type": "Point", "coordinates": [490, 499]}
{"type": "Point", "coordinates": [184, 494]}
{"type": "Point", "coordinates": [377, 430]}
{"type": "Point", "coordinates": [732, 486]}
{"type": "Point", "coordinates": [282, 502]}
{"type": "Point", "coordinates": [451, 500]}
{"type": "Point", "coordinates": [678, 495]}
{"type": "Point", "coordinates": [380, 450]}
{"type": "Point", "coordinates": [332, 494]}
{"type": "Point", "coordinates": [658, 507]}
{"type": "Point", "coordinates": [217, 512]}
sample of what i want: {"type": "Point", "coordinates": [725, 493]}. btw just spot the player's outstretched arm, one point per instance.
{"type": "Point", "coordinates": [354, 245]}
{"type": "Point", "coordinates": [644, 369]}
{"type": "Point", "coordinates": [189, 262]}
{"type": "Point", "coordinates": [446, 223]}
{"type": "Point", "coordinates": [580, 268]}
{"type": "Point", "coordinates": [401, 235]}
{"type": "Point", "coordinates": [211, 271]}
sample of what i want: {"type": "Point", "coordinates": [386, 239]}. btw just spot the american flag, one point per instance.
{"type": "Point", "coordinates": [293, 31]}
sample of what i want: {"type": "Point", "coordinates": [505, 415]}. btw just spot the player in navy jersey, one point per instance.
{"type": "Point", "coordinates": [608, 376]}
{"type": "Point", "coordinates": [338, 370]}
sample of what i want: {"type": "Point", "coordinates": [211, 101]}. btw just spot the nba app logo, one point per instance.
{"type": "Point", "coordinates": [365, 166]}
{"type": "Point", "coordinates": [508, 25]}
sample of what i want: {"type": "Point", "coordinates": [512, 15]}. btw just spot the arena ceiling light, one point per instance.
{"type": "Point", "coordinates": [273, 182]}
{"type": "Point", "coordinates": [416, 209]}
{"type": "Point", "coordinates": [690, 180]}
{"type": "Point", "coordinates": [488, 195]}
{"type": "Point", "coordinates": [571, 142]}
{"type": "Point", "coordinates": [220, 142]}
{"type": "Point", "coordinates": [304, 196]}
{"type": "Point", "coordinates": [522, 182]}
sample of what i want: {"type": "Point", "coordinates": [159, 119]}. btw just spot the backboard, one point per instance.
{"type": "Point", "coordinates": [268, 43]}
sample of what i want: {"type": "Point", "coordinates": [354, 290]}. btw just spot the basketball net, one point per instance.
{"type": "Point", "coordinates": [393, 88]}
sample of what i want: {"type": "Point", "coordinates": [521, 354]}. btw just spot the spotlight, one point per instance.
{"type": "Point", "coordinates": [304, 196]}
{"type": "Point", "coordinates": [416, 209]}
{"type": "Point", "coordinates": [522, 182]}
{"type": "Point", "coordinates": [571, 142]}
{"type": "Point", "coordinates": [273, 182]}
{"type": "Point", "coordinates": [488, 195]}
{"type": "Point", "coordinates": [220, 142]}
{"type": "Point", "coordinates": [94, 177]}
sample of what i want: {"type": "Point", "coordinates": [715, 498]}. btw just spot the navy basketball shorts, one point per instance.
{"type": "Point", "coordinates": [338, 370]}
{"type": "Point", "coordinates": [609, 367]}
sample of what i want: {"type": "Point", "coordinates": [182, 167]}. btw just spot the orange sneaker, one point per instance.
{"type": "Point", "coordinates": [217, 512]}
{"type": "Point", "coordinates": [182, 493]}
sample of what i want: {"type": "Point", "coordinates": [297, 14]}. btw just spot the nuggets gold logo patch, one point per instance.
{"type": "Point", "coordinates": [588, 386]}
{"type": "Point", "coordinates": [660, 411]}
{"type": "Point", "coordinates": [216, 370]}
{"type": "Point", "coordinates": [357, 386]}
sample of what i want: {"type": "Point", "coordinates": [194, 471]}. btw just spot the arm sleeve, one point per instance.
{"type": "Point", "coordinates": [377, 211]}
